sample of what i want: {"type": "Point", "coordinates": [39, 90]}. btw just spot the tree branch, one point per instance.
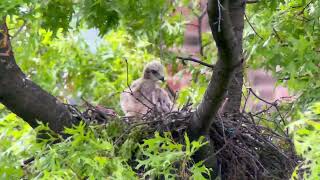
{"type": "Point", "coordinates": [252, 1]}
{"type": "Point", "coordinates": [229, 58]}
{"type": "Point", "coordinates": [19, 30]}
{"type": "Point", "coordinates": [254, 30]}
{"type": "Point", "coordinates": [195, 60]}
{"type": "Point", "coordinates": [226, 20]}
{"type": "Point", "coordinates": [23, 97]}
{"type": "Point", "coordinates": [200, 18]}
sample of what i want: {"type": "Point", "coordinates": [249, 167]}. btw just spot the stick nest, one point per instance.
{"type": "Point", "coordinates": [243, 147]}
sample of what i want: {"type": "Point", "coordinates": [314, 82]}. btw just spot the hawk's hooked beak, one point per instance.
{"type": "Point", "coordinates": [162, 79]}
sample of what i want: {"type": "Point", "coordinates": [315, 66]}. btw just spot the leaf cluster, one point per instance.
{"type": "Point", "coordinates": [91, 152]}
{"type": "Point", "coordinates": [306, 132]}
{"type": "Point", "coordinates": [286, 42]}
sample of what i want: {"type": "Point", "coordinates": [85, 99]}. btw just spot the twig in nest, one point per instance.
{"type": "Point", "coordinates": [200, 19]}
{"type": "Point", "coordinates": [156, 122]}
{"type": "Point", "coordinates": [274, 104]}
{"type": "Point", "coordinates": [98, 113]}
{"type": "Point", "coordinates": [261, 99]}
{"type": "Point", "coordinates": [246, 101]}
{"type": "Point", "coordinates": [27, 161]}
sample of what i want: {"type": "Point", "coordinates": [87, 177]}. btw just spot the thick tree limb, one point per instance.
{"type": "Point", "coordinates": [196, 61]}
{"type": "Point", "coordinates": [234, 94]}
{"type": "Point", "coordinates": [225, 18]}
{"type": "Point", "coordinates": [25, 98]}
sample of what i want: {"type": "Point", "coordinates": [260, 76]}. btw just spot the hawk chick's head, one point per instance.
{"type": "Point", "coordinates": [154, 71]}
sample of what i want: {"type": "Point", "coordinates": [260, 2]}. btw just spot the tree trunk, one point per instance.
{"type": "Point", "coordinates": [226, 20]}
{"type": "Point", "coordinates": [234, 95]}
{"type": "Point", "coordinates": [25, 98]}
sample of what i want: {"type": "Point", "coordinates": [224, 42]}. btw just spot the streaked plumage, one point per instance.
{"type": "Point", "coordinates": [146, 93]}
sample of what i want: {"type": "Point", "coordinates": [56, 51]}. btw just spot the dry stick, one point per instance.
{"type": "Point", "coordinates": [311, 1]}
{"type": "Point", "coordinates": [227, 142]}
{"type": "Point", "coordinates": [28, 161]}
{"type": "Point", "coordinates": [281, 117]}
{"type": "Point", "coordinates": [90, 107]}
{"type": "Point", "coordinates": [195, 60]}
{"type": "Point", "coordinates": [267, 132]}
{"type": "Point", "coordinates": [187, 104]}
{"type": "Point", "coordinates": [263, 111]}
{"type": "Point", "coordinates": [150, 101]}
{"type": "Point", "coordinates": [262, 118]}
{"type": "Point", "coordinates": [200, 18]}
{"type": "Point", "coordinates": [173, 102]}
{"type": "Point", "coordinates": [75, 109]}
{"type": "Point", "coordinates": [222, 125]}
{"type": "Point", "coordinates": [220, 118]}
{"type": "Point", "coordinates": [265, 101]}
{"type": "Point", "coordinates": [266, 110]}
{"type": "Point", "coordinates": [87, 103]}
{"type": "Point", "coordinates": [246, 100]}
{"type": "Point", "coordinates": [19, 30]}
{"type": "Point", "coordinates": [252, 162]}
{"type": "Point", "coordinates": [266, 141]}
{"type": "Point", "coordinates": [256, 160]}
{"type": "Point", "coordinates": [252, 120]}
{"type": "Point", "coordinates": [131, 89]}
{"type": "Point", "coordinates": [251, 1]}
{"type": "Point", "coordinates": [277, 35]}
{"type": "Point", "coordinates": [255, 139]}
{"type": "Point", "coordinates": [254, 30]}
{"type": "Point", "coordinates": [273, 104]}
{"type": "Point", "coordinates": [199, 27]}
{"type": "Point", "coordinates": [206, 44]}
{"type": "Point", "coordinates": [273, 146]}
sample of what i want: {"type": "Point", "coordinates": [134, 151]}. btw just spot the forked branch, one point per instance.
{"type": "Point", "coordinates": [224, 17]}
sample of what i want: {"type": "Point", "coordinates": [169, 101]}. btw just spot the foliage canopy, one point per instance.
{"type": "Point", "coordinates": [49, 45]}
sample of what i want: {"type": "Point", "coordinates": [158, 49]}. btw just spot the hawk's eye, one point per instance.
{"type": "Point", "coordinates": [154, 71]}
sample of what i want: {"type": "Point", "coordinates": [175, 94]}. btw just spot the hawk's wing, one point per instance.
{"type": "Point", "coordinates": [134, 102]}
{"type": "Point", "coordinates": [162, 100]}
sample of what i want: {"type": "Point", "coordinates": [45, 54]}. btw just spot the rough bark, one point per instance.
{"type": "Point", "coordinates": [226, 19]}
{"type": "Point", "coordinates": [25, 98]}
{"type": "Point", "coordinates": [234, 94]}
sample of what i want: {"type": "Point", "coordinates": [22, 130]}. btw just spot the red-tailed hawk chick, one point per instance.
{"type": "Point", "coordinates": [145, 93]}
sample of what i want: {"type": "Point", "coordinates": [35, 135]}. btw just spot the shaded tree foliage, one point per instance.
{"type": "Point", "coordinates": [155, 27]}
{"type": "Point", "coordinates": [25, 98]}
